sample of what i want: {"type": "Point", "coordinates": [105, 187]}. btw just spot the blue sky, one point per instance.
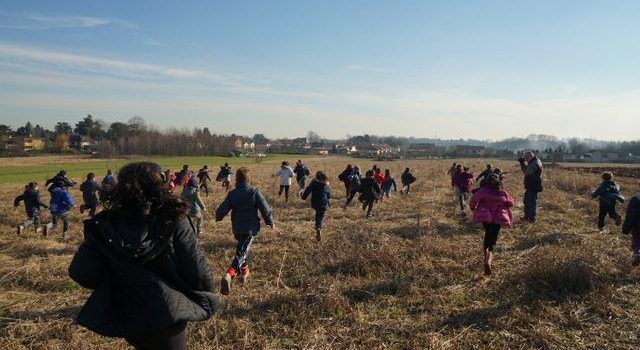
{"type": "Point", "coordinates": [452, 69]}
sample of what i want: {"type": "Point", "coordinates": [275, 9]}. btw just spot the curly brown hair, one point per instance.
{"type": "Point", "coordinates": [141, 193]}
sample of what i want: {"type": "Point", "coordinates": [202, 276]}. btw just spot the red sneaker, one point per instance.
{"type": "Point", "coordinates": [244, 275]}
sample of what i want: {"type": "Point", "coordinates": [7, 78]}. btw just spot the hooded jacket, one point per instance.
{"type": "Point", "coordinates": [284, 175]}
{"type": "Point", "coordinates": [463, 181]}
{"type": "Point", "coordinates": [145, 276]}
{"type": "Point", "coordinates": [320, 194]}
{"type": "Point", "coordinates": [369, 189]}
{"type": "Point", "coordinates": [301, 171]}
{"type": "Point", "coordinates": [32, 202]}
{"type": "Point", "coordinates": [60, 202]}
{"type": "Point", "coordinates": [244, 202]}
{"type": "Point", "coordinates": [388, 183]}
{"type": "Point", "coordinates": [89, 189]}
{"type": "Point", "coordinates": [608, 192]}
{"type": "Point", "coordinates": [492, 206]}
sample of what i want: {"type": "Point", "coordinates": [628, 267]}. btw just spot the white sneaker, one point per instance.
{"type": "Point", "coordinates": [65, 236]}
{"type": "Point", "coordinates": [20, 229]}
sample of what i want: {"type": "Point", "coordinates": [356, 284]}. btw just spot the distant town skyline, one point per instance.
{"type": "Point", "coordinates": [479, 70]}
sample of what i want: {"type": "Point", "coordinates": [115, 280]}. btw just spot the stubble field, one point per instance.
{"type": "Point", "coordinates": [409, 277]}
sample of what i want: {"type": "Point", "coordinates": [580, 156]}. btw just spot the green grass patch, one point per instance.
{"type": "Point", "coordinates": [78, 170]}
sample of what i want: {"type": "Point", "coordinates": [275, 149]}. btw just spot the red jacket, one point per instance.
{"type": "Point", "coordinates": [379, 178]}
{"type": "Point", "coordinates": [492, 207]}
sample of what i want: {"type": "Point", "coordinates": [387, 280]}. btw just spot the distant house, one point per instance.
{"type": "Point", "coordinates": [344, 149]}
{"type": "Point", "coordinates": [377, 151]}
{"type": "Point", "coordinates": [469, 151]}
{"type": "Point", "coordinates": [422, 150]}
{"type": "Point", "coordinates": [22, 144]}
{"type": "Point", "coordinates": [295, 146]}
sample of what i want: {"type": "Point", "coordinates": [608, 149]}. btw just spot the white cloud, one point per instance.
{"type": "Point", "coordinates": [42, 22]}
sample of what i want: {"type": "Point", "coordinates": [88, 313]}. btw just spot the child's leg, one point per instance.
{"type": "Point", "coordinates": [65, 222]}
{"type": "Point", "coordinates": [30, 221]}
{"type": "Point", "coordinates": [370, 207]}
{"type": "Point", "coordinates": [319, 218]}
{"type": "Point", "coordinates": [242, 251]}
{"type": "Point", "coordinates": [635, 243]}
{"type": "Point", "coordinates": [461, 200]}
{"type": "Point", "coordinates": [280, 190]}
{"type": "Point", "coordinates": [286, 193]}
{"type": "Point", "coordinates": [54, 222]}
{"type": "Point", "coordinates": [602, 214]}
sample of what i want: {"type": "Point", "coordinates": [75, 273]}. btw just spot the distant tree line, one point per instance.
{"type": "Point", "coordinates": [135, 137]}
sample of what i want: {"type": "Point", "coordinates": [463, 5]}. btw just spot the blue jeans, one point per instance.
{"type": "Point", "coordinates": [242, 250]}
{"type": "Point", "coordinates": [530, 205]}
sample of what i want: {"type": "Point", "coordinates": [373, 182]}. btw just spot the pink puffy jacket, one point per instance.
{"type": "Point", "coordinates": [492, 206]}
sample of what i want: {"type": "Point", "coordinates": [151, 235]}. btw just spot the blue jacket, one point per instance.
{"type": "Point", "coordinates": [244, 202]}
{"type": "Point", "coordinates": [388, 183]}
{"type": "Point", "coordinates": [632, 219]}
{"type": "Point", "coordinates": [608, 192]}
{"type": "Point", "coordinates": [60, 201]}
{"type": "Point", "coordinates": [32, 202]}
{"type": "Point", "coordinates": [301, 171]}
{"type": "Point", "coordinates": [320, 194]}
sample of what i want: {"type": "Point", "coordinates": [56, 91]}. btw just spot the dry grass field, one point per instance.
{"type": "Point", "coordinates": [408, 278]}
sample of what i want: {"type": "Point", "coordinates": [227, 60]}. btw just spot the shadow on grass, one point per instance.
{"type": "Point", "coordinates": [65, 313]}
{"type": "Point", "coordinates": [556, 238]}
{"type": "Point", "coordinates": [392, 287]}
{"type": "Point", "coordinates": [410, 232]}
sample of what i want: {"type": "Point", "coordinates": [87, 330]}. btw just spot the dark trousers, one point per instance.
{"type": "Point", "coordinates": [302, 183]}
{"type": "Point", "coordinates": [347, 188]}
{"type": "Point", "coordinates": [173, 338]}
{"type": "Point", "coordinates": [606, 209]}
{"type": "Point", "coordinates": [530, 205]}
{"type": "Point", "coordinates": [91, 206]}
{"type": "Point", "coordinates": [284, 188]}
{"type": "Point", "coordinates": [350, 196]}
{"type": "Point", "coordinates": [242, 251]}
{"type": "Point", "coordinates": [368, 205]}
{"type": "Point", "coordinates": [491, 232]}
{"type": "Point", "coordinates": [65, 221]}
{"type": "Point", "coordinates": [320, 218]}
{"type": "Point", "coordinates": [205, 185]}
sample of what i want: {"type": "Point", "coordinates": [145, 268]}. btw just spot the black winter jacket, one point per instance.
{"type": "Point", "coordinates": [32, 202]}
{"type": "Point", "coordinates": [145, 278]}
{"type": "Point", "coordinates": [369, 190]}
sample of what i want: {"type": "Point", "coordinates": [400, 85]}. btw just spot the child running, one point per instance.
{"type": "Point", "coordinates": [224, 176]}
{"type": "Point", "coordinates": [608, 194]}
{"type": "Point", "coordinates": [301, 172]}
{"type": "Point", "coordinates": [463, 182]}
{"type": "Point", "coordinates": [353, 183]}
{"type": "Point", "coordinates": [285, 174]}
{"type": "Point", "coordinates": [59, 205]}
{"type": "Point", "coordinates": [89, 189]}
{"type": "Point", "coordinates": [632, 226]}
{"type": "Point", "coordinates": [108, 183]}
{"type": "Point", "coordinates": [491, 206]}
{"type": "Point", "coordinates": [387, 183]}
{"type": "Point", "coordinates": [407, 179]}
{"type": "Point", "coordinates": [378, 175]}
{"type": "Point", "coordinates": [204, 179]}
{"type": "Point", "coordinates": [244, 202]}
{"type": "Point", "coordinates": [32, 204]}
{"type": "Point", "coordinates": [141, 259]}
{"type": "Point", "coordinates": [320, 194]}
{"type": "Point", "coordinates": [344, 177]}
{"type": "Point", "coordinates": [369, 192]}
{"type": "Point", "coordinates": [191, 196]}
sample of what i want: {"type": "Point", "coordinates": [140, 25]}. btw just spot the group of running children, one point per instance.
{"type": "Point", "coordinates": [490, 203]}
{"type": "Point", "coordinates": [491, 206]}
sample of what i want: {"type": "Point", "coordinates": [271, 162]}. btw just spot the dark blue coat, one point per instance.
{"type": "Point", "coordinates": [32, 202]}
{"type": "Point", "coordinates": [244, 202]}
{"type": "Point", "coordinates": [320, 195]}
{"type": "Point", "coordinates": [632, 219]}
{"type": "Point", "coordinates": [89, 189]}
